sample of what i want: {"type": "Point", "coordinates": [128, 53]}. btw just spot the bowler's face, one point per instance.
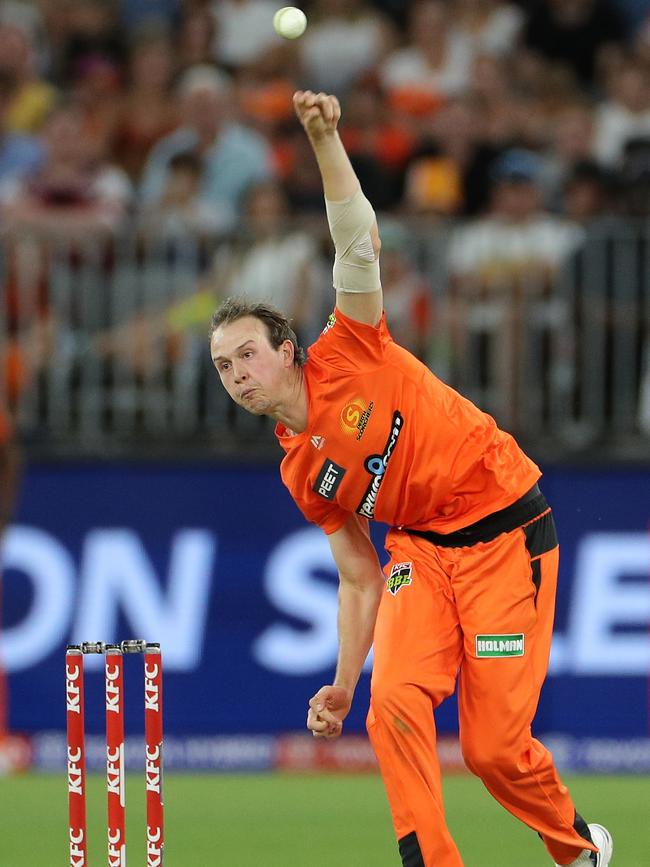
{"type": "Point", "coordinates": [252, 371]}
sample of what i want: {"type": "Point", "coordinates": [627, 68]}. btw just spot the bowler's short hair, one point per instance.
{"type": "Point", "coordinates": [277, 324]}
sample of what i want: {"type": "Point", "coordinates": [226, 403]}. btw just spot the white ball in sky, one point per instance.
{"type": "Point", "coordinates": [290, 22]}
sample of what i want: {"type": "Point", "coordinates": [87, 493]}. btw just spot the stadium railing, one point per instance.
{"type": "Point", "coordinates": [104, 345]}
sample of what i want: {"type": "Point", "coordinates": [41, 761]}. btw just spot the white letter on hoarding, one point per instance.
{"type": "Point", "coordinates": [116, 573]}
{"type": "Point", "coordinates": [601, 601]}
{"type": "Point", "coordinates": [293, 588]}
{"type": "Point", "coordinates": [51, 570]}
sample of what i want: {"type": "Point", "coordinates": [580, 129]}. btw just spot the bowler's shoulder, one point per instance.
{"type": "Point", "coordinates": [348, 344]}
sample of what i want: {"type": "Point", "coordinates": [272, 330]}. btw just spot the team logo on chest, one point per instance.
{"type": "Point", "coordinates": [376, 465]}
{"type": "Point", "coordinates": [355, 415]}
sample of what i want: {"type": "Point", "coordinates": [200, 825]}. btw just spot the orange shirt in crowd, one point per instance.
{"type": "Point", "coordinates": [387, 439]}
{"type": "Point", "coordinates": [5, 427]}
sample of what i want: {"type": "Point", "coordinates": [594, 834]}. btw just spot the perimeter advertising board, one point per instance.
{"type": "Point", "coordinates": [216, 563]}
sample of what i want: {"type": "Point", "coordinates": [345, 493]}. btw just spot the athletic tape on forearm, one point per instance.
{"type": "Point", "coordinates": [356, 268]}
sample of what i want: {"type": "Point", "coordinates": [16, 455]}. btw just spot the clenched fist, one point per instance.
{"type": "Point", "coordinates": [319, 113]}
{"type": "Point", "coordinates": [327, 710]}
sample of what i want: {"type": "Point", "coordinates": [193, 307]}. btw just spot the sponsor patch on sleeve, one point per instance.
{"type": "Point", "coordinates": [497, 646]}
{"type": "Point", "coordinates": [328, 479]}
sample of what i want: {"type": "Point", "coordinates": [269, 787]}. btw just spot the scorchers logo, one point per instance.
{"type": "Point", "coordinates": [355, 415]}
{"type": "Point", "coordinates": [376, 465]}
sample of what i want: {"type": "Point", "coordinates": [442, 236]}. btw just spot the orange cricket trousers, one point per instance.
{"type": "Point", "coordinates": [482, 613]}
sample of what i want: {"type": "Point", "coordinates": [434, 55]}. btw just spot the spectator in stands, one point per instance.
{"type": "Point", "coordinates": [33, 97]}
{"type": "Point", "coordinates": [233, 156]}
{"type": "Point", "coordinates": [547, 97]}
{"type": "Point", "coordinates": [517, 239]}
{"type": "Point", "coordinates": [96, 90]}
{"type": "Point", "coordinates": [433, 66]}
{"type": "Point", "coordinates": [378, 147]}
{"type": "Point", "coordinates": [20, 154]}
{"type": "Point", "coordinates": [642, 41]}
{"type": "Point", "coordinates": [195, 43]}
{"type": "Point", "coordinates": [571, 143]}
{"type": "Point", "coordinates": [181, 211]}
{"type": "Point", "coordinates": [449, 175]}
{"type": "Point", "coordinates": [299, 172]}
{"type": "Point", "coordinates": [22, 13]}
{"type": "Point", "coordinates": [625, 114]}
{"type": "Point", "coordinates": [575, 33]}
{"type": "Point", "coordinates": [635, 178]}
{"type": "Point", "coordinates": [92, 33]}
{"type": "Point", "coordinates": [265, 91]}
{"type": "Point", "coordinates": [28, 18]}
{"type": "Point", "coordinates": [272, 260]}
{"type": "Point", "coordinates": [501, 267]}
{"type": "Point", "coordinates": [70, 194]}
{"type": "Point", "coordinates": [139, 14]}
{"type": "Point", "coordinates": [588, 194]}
{"type": "Point", "coordinates": [345, 39]}
{"type": "Point", "coordinates": [243, 31]}
{"type": "Point", "coordinates": [147, 112]}
{"type": "Point", "coordinates": [491, 26]}
{"type": "Point", "coordinates": [504, 105]}
{"type": "Point", "coordinates": [267, 259]}
{"type": "Point", "coordinates": [407, 295]}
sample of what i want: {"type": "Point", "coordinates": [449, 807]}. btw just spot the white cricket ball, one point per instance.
{"type": "Point", "coordinates": [290, 22]}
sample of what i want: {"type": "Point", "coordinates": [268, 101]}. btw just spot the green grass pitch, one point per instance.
{"type": "Point", "coordinates": [281, 820]}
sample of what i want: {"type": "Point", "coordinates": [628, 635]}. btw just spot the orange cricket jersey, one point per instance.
{"type": "Point", "coordinates": [387, 439]}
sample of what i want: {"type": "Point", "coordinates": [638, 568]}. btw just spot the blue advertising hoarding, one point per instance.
{"type": "Point", "coordinates": [217, 564]}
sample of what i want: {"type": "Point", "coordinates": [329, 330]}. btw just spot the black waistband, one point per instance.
{"type": "Point", "coordinates": [532, 504]}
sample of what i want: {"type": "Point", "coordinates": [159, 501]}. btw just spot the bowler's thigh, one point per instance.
{"type": "Point", "coordinates": [417, 634]}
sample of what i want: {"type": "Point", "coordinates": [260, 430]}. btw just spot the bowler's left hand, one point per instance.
{"type": "Point", "coordinates": [319, 113]}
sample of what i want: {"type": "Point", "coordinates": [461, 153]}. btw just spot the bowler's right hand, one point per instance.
{"type": "Point", "coordinates": [327, 710]}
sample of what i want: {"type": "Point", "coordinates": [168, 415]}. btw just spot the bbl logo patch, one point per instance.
{"type": "Point", "coordinates": [400, 576]}
{"type": "Point", "coordinates": [497, 646]}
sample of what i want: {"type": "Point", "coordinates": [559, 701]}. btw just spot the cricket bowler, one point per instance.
{"type": "Point", "coordinates": [467, 598]}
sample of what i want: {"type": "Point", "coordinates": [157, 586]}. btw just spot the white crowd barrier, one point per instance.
{"type": "Point", "coordinates": [104, 341]}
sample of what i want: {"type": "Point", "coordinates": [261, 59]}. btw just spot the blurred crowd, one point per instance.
{"type": "Point", "coordinates": [173, 110]}
{"type": "Point", "coordinates": [521, 123]}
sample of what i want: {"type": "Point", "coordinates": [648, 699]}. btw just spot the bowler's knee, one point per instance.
{"type": "Point", "coordinates": [490, 757]}
{"type": "Point", "coordinates": [390, 697]}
